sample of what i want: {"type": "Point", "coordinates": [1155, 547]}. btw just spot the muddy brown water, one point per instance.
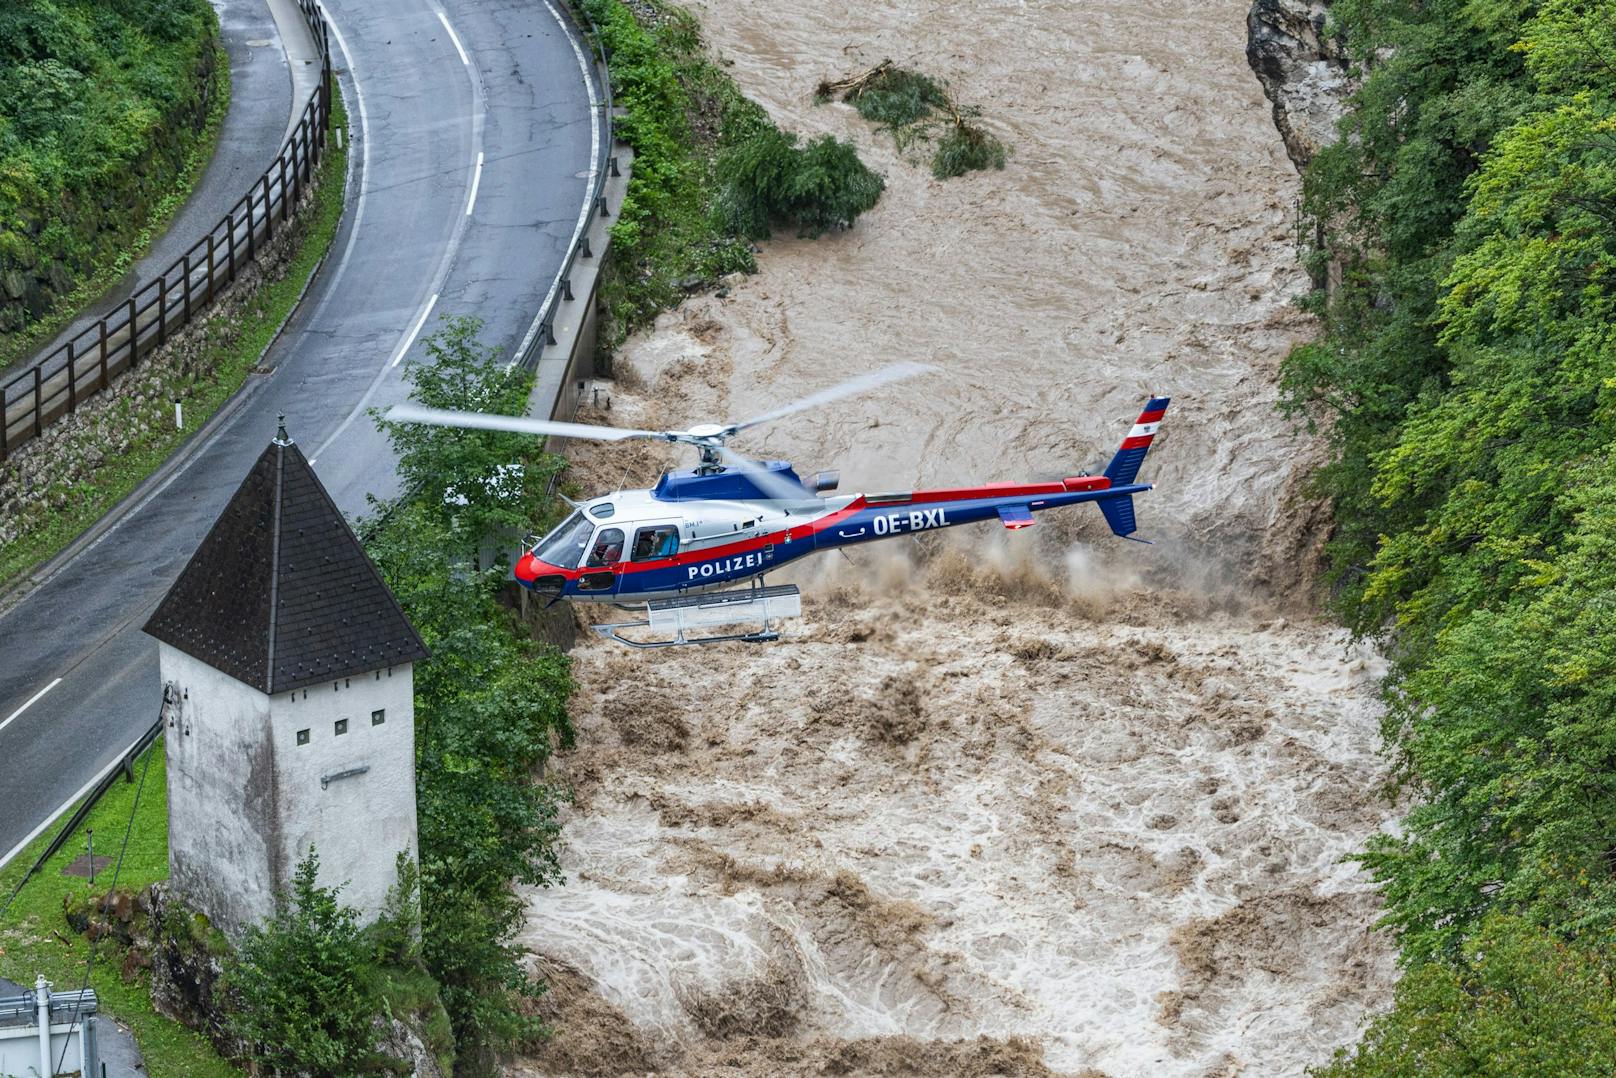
{"type": "Point", "coordinates": [1005, 803]}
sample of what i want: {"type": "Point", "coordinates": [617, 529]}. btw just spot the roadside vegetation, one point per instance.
{"type": "Point", "coordinates": [108, 116]}
{"type": "Point", "coordinates": [490, 705]}
{"type": "Point", "coordinates": [711, 173]}
{"type": "Point", "coordinates": [918, 110]}
{"type": "Point", "coordinates": [56, 487]}
{"type": "Point", "coordinates": [1467, 383]}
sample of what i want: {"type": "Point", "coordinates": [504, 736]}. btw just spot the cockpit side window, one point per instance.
{"type": "Point", "coordinates": [658, 541]}
{"type": "Point", "coordinates": [608, 549]}
{"type": "Point", "coordinates": [564, 547]}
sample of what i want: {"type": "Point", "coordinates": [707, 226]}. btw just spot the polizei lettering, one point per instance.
{"type": "Point", "coordinates": [724, 566]}
{"type": "Point", "coordinates": [917, 520]}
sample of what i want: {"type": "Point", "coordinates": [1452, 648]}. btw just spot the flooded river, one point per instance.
{"type": "Point", "coordinates": [1006, 802]}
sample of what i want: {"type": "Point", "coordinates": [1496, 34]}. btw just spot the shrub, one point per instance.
{"type": "Point", "coordinates": [966, 148]}
{"type": "Point", "coordinates": [817, 187]}
{"type": "Point", "coordinates": [915, 107]}
{"type": "Point", "coordinates": [1521, 1003]}
{"type": "Point", "coordinates": [683, 223]}
{"type": "Point", "coordinates": [299, 979]}
{"type": "Point", "coordinates": [897, 97]}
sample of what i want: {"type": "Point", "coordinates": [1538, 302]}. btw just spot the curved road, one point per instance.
{"type": "Point", "coordinates": [474, 130]}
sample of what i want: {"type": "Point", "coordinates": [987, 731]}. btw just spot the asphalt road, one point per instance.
{"type": "Point", "coordinates": [474, 132]}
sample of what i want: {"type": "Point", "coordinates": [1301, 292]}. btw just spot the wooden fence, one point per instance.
{"type": "Point", "coordinates": [86, 364]}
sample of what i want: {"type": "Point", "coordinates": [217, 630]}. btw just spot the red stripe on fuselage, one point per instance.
{"type": "Point", "coordinates": [804, 531]}
{"type": "Point", "coordinates": [1152, 417]}
{"type": "Point", "coordinates": [1136, 443]}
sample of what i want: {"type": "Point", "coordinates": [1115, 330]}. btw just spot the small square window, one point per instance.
{"type": "Point", "coordinates": [342, 726]}
{"type": "Point", "coordinates": [302, 737]}
{"type": "Point", "coordinates": [378, 717]}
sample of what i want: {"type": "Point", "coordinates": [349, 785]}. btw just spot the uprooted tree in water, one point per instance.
{"type": "Point", "coordinates": [916, 107]}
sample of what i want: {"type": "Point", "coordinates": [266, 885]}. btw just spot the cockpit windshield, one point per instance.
{"type": "Point", "coordinates": [565, 545]}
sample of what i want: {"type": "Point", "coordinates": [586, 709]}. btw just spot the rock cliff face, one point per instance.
{"type": "Point", "coordinates": [1303, 72]}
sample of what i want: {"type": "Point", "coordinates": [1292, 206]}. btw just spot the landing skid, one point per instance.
{"type": "Point", "coordinates": [766, 605]}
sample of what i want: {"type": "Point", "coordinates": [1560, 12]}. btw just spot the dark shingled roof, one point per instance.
{"type": "Point", "coordinates": [280, 594]}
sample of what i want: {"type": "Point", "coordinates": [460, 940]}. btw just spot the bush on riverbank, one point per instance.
{"type": "Point", "coordinates": [711, 170]}
{"type": "Point", "coordinates": [1468, 375]}
{"type": "Point", "coordinates": [100, 108]}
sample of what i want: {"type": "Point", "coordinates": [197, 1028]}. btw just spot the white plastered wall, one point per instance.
{"type": "Point", "coordinates": [222, 812]}
{"type": "Point", "coordinates": [246, 800]}
{"type": "Point", "coordinates": [358, 822]}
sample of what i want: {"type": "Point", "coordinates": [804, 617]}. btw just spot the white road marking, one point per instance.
{"type": "Point", "coordinates": [445, 260]}
{"type": "Point", "coordinates": [589, 190]}
{"type": "Point", "coordinates": [476, 179]}
{"type": "Point", "coordinates": [32, 700]}
{"type": "Point", "coordinates": [444, 19]}
{"type": "Point", "coordinates": [314, 318]}
{"type": "Point", "coordinates": [410, 338]}
{"type": "Point", "coordinates": [65, 805]}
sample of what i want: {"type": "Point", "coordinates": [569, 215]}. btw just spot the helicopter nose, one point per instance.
{"type": "Point", "coordinates": [527, 569]}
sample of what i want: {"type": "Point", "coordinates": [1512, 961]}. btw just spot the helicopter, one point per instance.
{"type": "Point", "coordinates": [680, 548]}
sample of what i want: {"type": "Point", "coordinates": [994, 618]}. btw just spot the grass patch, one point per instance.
{"type": "Point", "coordinates": [35, 938]}
{"type": "Point", "coordinates": [917, 108]}
{"type": "Point", "coordinates": [711, 172]}
{"type": "Point", "coordinates": [228, 351]}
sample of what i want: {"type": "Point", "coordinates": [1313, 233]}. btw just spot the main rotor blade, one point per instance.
{"type": "Point", "coordinates": [780, 490]}
{"type": "Point", "coordinates": [443, 417]}
{"type": "Point", "coordinates": [896, 372]}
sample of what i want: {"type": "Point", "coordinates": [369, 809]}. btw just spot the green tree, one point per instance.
{"type": "Point", "coordinates": [478, 482]}
{"type": "Point", "coordinates": [490, 706]}
{"type": "Point", "coordinates": [300, 979]}
{"type": "Point", "coordinates": [1519, 1003]}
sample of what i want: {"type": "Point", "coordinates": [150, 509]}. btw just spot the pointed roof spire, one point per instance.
{"type": "Point", "coordinates": [281, 437]}
{"type": "Point", "coordinates": [280, 594]}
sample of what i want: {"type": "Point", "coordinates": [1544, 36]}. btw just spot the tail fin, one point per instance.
{"type": "Point", "coordinates": [1119, 514]}
{"type": "Point", "coordinates": [1125, 465]}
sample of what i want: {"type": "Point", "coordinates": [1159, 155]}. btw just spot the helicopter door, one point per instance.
{"type": "Point", "coordinates": [603, 565]}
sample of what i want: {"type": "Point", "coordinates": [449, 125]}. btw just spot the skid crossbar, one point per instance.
{"type": "Point", "coordinates": [765, 605]}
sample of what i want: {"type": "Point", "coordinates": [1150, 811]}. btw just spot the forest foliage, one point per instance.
{"type": "Point", "coordinates": [100, 105]}
{"type": "Point", "coordinates": [1467, 382]}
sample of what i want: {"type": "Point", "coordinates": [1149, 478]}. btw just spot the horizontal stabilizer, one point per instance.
{"type": "Point", "coordinates": [1016, 516]}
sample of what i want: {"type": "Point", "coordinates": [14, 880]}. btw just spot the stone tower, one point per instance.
{"type": "Point", "coordinates": [292, 721]}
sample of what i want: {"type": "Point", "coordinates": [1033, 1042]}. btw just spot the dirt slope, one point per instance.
{"type": "Point", "coordinates": [1006, 802]}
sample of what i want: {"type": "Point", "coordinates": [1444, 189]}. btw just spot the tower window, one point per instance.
{"type": "Point", "coordinates": [302, 737]}
{"type": "Point", "coordinates": [341, 726]}
{"type": "Point", "coordinates": [378, 717]}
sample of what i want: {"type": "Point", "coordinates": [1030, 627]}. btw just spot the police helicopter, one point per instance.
{"type": "Point", "coordinates": [678, 546]}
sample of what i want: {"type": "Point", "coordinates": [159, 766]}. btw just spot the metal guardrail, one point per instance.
{"type": "Point", "coordinates": [86, 363]}
{"type": "Point", "coordinates": [605, 167]}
